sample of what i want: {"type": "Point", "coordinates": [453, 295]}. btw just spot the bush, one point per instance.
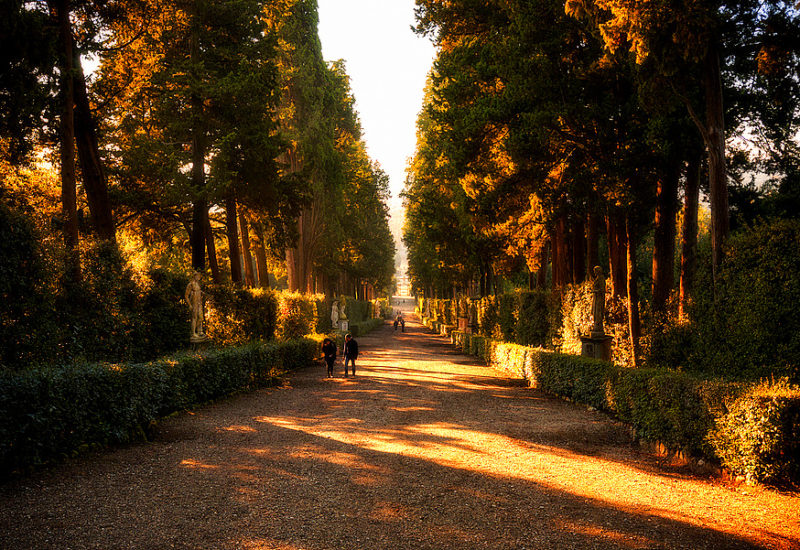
{"type": "Point", "coordinates": [748, 325]}
{"type": "Point", "coordinates": [533, 318]}
{"type": "Point", "coordinates": [47, 413]}
{"type": "Point", "coordinates": [237, 315]}
{"type": "Point", "coordinates": [507, 315]}
{"type": "Point", "coordinates": [364, 327]}
{"type": "Point", "coordinates": [298, 315]}
{"type": "Point", "coordinates": [752, 431]}
{"type": "Point", "coordinates": [759, 437]}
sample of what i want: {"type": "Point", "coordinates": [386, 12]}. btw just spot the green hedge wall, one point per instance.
{"type": "Point", "coordinates": [362, 328]}
{"type": "Point", "coordinates": [47, 414]}
{"type": "Point", "coordinates": [751, 430]}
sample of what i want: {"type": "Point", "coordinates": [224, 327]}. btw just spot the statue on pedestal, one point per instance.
{"type": "Point", "coordinates": [598, 301]}
{"type": "Point", "coordinates": [335, 314]}
{"type": "Point", "coordinates": [194, 297]}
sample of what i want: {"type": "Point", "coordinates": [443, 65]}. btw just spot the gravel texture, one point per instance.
{"type": "Point", "coordinates": [424, 448]}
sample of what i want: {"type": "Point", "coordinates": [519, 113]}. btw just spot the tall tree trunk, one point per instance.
{"type": "Point", "coordinates": [232, 232]}
{"type": "Point", "coordinates": [664, 237]}
{"type": "Point", "coordinates": [592, 240]}
{"type": "Point", "coordinates": [634, 323]}
{"type": "Point", "coordinates": [555, 261]}
{"type": "Point", "coordinates": [578, 252]}
{"type": "Point", "coordinates": [261, 259]}
{"type": "Point", "coordinates": [200, 205]}
{"type": "Point", "coordinates": [541, 276]}
{"type": "Point", "coordinates": [69, 197]}
{"type": "Point", "coordinates": [617, 246]}
{"type": "Point", "coordinates": [211, 247]}
{"type": "Point", "coordinates": [249, 275]}
{"type": "Point", "coordinates": [689, 234]}
{"type": "Point", "coordinates": [94, 177]}
{"type": "Point", "coordinates": [715, 143]}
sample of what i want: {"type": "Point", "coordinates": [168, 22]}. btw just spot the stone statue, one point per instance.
{"type": "Point", "coordinates": [335, 314]}
{"type": "Point", "coordinates": [598, 301]}
{"type": "Point", "coordinates": [194, 297]}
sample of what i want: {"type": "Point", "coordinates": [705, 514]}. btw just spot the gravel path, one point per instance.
{"type": "Point", "coordinates": [423, 449]}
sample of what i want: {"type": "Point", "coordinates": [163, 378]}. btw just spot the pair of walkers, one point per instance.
{"type": "Point", "coordinates": [350, 353]}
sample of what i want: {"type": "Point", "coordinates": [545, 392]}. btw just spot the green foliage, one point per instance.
{"type": "Point", "coordinates": [47, 414]}
{"type": "Point", "coordinates": [751, 431]}
{"type": "Point", "coordinates": [26, 301]}
{"type": "Point", "coordinates": [298, 315]}
{"type": "Point", "coordinates": [236, 315]}
{"type": "Point", "coordinates": [363, 327]}
{"type": "Point", "coordinates": [747, 325]}
{"type": "Point", "coordinates": [759, 437]}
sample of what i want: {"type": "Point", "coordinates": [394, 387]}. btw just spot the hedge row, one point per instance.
{"type": "Point", "coordinates": [47, 414]}
{"type": "Point", "coordinates": [362, 328]}
{"type": "Point", "coordinates": [752, 430]}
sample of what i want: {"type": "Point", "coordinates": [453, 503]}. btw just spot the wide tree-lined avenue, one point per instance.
{"type": "Point", "coordinates": [423, 449]}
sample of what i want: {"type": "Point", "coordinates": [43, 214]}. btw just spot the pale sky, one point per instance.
{"type": "Point", "coordinates": [387, 64]}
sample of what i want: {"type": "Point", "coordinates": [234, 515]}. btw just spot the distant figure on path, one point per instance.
{"type": "Point", "coordinates": [350, 353]}
{"type": "Point", "coordinates": [400, 321]}
{"type": "Point", "coordinates": [329, 354]}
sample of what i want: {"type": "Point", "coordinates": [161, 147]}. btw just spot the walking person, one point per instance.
{"type": "Point", "coordinates": [329, 354]}
{"type": "Point", "coordinates": [350, 353]}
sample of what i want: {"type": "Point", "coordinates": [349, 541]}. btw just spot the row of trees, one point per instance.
{"type": "Point", "coordinates": [211, 133]}
{"type": "Point", "coordinates": [550, 129]}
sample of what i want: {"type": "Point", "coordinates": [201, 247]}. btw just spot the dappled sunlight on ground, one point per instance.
{"type": "Point", "coordinates": [417, 451]}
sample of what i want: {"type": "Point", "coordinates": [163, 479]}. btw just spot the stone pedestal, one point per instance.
{"type": "Point", "coordinates": [344, 325]}
{"type": "Point", "coordinates": [597, 345]}
{"type": "Point", "coordinates": [463, 324]}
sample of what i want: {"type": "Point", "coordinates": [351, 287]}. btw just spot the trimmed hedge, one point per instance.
{"type": "Point", "coordinates": [48, 414]}
{"type": "Point", "coordinates": [751, 430]}
{"type": "Point", "coordinates": [362, 328]}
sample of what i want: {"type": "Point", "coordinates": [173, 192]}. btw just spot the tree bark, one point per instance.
{"type": "Point", "coordinates": [261, 260]}
{"type": "Point", "coordinates": [541, 276]}
{"type": "Point", "coordinates": [94, 178]}
{"type": "Point", "coordinates": [634, 323]}
{"type": "Point", "coordinates": [200, 204]}
{"type": "Point", "coordinates": [689, 235]}
{"type": "Point", "coordinates": [211, 247]}
{"type": "Point", "coordinates": [579, 252]}
{"type": "Point", "coordinates": [232, 232]}
{"type": "Point", "coordinates": [592, 240]}
{"type": "Point", "coordinates": [617, 246]}
{"type": "Point", "coordinates": [249, 275]}
{"type": "Point", "coordinates": [69, 196]}
{"type": "Point", "coordinates": [664, 237]}
{"type": "Point", "coordinates": [717, 170]}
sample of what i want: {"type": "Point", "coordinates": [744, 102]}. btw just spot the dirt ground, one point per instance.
{"type": "Point", "coordinates": [424, 448]}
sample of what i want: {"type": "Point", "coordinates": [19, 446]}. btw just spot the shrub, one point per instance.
{"type": "Point", "coordinates": [507, 316]}
{"type": "Point", "coordinates": [759, 437]}
{"type": "Point", "coordinates": [237, 315]}
{"type": "Point", "coordinates": [49, 413]}
{"type": "Point", "coordinates": [533, 318]}
{"type": "Point", "coordinates": [362, 328]}
{"type": "Point", "coordinates": [750, 319]}
{"type": "Point", "coordinates": [752, 431]}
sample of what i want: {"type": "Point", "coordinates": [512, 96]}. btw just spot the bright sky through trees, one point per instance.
{"type": "Point", "coordinates": [388, 65]}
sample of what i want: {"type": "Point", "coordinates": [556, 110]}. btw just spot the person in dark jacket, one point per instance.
{"type": "Point", "coordinates": [350, 353]}
{"type": "Point", "coordinates": [329, 354]}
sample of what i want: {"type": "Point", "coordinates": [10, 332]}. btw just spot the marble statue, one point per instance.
{"type": "Point", "coordinates": [335, 314]}
{"type": "Point", "coordinates": [598, 300]}
{"type": "Point", "coordinates": [194, 297]}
